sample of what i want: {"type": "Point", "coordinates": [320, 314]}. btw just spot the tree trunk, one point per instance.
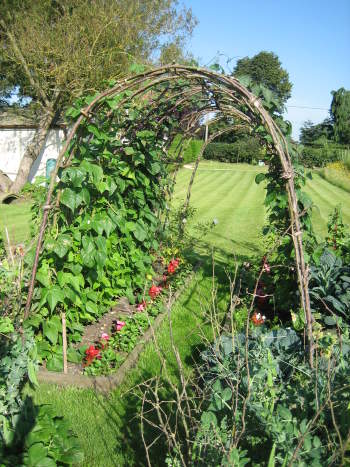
{"type": "Point", "coordinates": [5, 182]}
{"type": "Point", "coordinates": [33, 150]}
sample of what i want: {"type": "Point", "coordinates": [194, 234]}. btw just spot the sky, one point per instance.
{"type": "Point", "coordinates": [310, 37]}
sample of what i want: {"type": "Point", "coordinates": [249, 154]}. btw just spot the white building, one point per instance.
{"type": "Point", "coordinates": [16, 132]}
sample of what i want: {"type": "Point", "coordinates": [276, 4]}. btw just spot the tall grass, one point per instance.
{"type": "Point", "coordinates": [346, 158]}
{"type": "Point", "coordinates": [337, 174]}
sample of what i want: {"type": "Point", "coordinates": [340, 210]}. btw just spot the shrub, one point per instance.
{"type": "Point", "coordinates": [246, 150]}
{"type": "Point", "coordinates": [192, 150]}
{"type": "Point", "coordinates": [330, 288]}
{"type": "Point", "coordinates": [320, 156]}
{"type": "Point", "coordinates": [280, 412]}
{"type": "Point", "coordinates": [29, 435]}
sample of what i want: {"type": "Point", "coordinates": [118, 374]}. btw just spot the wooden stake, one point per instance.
{"type": "Point", "coordinates": [64, 343]}
{"type": "Point", "coordinates": [9, 244]}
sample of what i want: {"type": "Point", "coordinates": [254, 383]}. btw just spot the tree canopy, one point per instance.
{"type": "Point", "coordinates": [76, 46]}
{"type": "Point", "coordinates": [310, 132]}
{"type": "Point", "coordinates": [340, 113]}
{"type": "Point", "coordinates": [265, 68]}
{"type": "Point", "coordinates": [54, 51]}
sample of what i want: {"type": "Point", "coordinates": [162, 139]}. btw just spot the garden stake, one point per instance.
{"type": "Point", "coordinates": [64, 343]}
{"type": "Point", "coordinates": [9, 245]}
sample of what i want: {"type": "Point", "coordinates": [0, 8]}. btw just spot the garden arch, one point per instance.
{"type": "Point", "coordinates": [198, 92]}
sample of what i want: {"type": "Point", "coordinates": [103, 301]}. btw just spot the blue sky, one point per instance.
{"type": "Point", "coordinates": [310, 37]}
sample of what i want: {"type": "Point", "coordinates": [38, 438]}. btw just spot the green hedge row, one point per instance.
{"type": "Point", "coordinates": [312, 156]}
{"type": "Point", "coordinates": [246, 150]}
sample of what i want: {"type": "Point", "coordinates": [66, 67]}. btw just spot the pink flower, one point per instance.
{"type": "Point", "coordinates": [141, 306]}
{"type": "Point", "coordinates": [105, 336]}
{"type": "Point", "coordinates": [119, 326]}
{"type": "Point", "coordinates": [266, 267]}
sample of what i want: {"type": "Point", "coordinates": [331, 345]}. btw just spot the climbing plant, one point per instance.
{"type": "Point", "coordinates": [101, 220]}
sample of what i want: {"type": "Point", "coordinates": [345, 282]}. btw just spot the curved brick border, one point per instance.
{"type": "Point", "coordinates": [107, 383]}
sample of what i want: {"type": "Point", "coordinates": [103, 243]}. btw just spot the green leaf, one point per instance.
{"type": "Point", "coordinates": [73, 456]}
{"type": "Point", "coordinates": [68, 198]}
{"type": "Point", "coordinates": [54, 295]}
{"type": "Point", "coordinates": [139, 232]}
{"type": "Point", "coordinates": [226, 394]}
{"type": "Point", "coordinates": [87, 252]}
{"type": "Point", "coordinates": [73, 355]}
{"type": "Point", "coordinates": [267, 93]}
{"type": "Point", "coordinates": [272, 456]}
{"type": "Point", "coordinates": [32, 374]}
{"type": "Point", "coordinates": [36, 453]}
{"type": "Point", "coordinates": [43, 275]}
{"type": "Point", "coordinates": [329, 321]}
{"type": "Point", "coordinates": [245, 80]}
{"type": "Point", "coordinates": [85, 196]}
{"type": "Point", "coordinates": [129, 151]}
{"type": "Point", "coordinates": [209, 418]}
{"type": "Point", "coordinates": [136, 68]}
{"type": "Point", "coordinates": [50, 331]}
{"type": "Point", "coordinates": [47, 462]}
{"type": "Point", "coordinates": [94, 170]}
{"type": "Point", "coordinates": [259, 178]}
{"type": "Point", "coordinates": [55, 363]}
{"type": "Point", "coordinates": [62, 245]}
{"type": "Point", "coordinates": [91, 307]}
{"type": "Point", "coordinates": [155, 168]}
{"type": "Point", "coordinates": [73, 176]}
{"type": "Point", "coordinates": [6, 325]}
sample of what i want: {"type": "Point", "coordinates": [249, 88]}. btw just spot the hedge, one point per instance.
{"type": "Point", "coordinates": [313, 156]}
{"type": "Point", "coordinates": [245, 150]}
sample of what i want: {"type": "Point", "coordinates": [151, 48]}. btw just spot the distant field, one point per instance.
{"type": "Point", "coordinates": [229, 193]}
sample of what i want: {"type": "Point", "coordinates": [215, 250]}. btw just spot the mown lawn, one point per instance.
{"type": "Point", "coordinates": [228, 193]}
{"type": "Point", "coordinates": [16, 218]}
{"type": "Point", "coordinates": [108, 427]}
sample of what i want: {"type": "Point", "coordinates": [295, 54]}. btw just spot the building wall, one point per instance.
{"type": "Point", "coordinates": [13, 142]}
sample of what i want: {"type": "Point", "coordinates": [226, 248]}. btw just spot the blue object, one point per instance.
{"type": "Point", "coordinates": [50, 166]}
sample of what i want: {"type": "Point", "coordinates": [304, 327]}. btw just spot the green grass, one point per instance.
{"type": "Point", "coordinates": [339, 178]}
{"type": "Point", "coordinates": [228, 193]}
{"type": "Point", "coordinates": [326, 196]}
{"type": "Point", "coordinates": [108, 428]}
{"type": "Point", "coordinates": [16, 218]}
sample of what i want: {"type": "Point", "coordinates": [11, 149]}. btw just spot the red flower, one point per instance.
{"type": "Point", "coordinates": [173, 265]}
{"type": "Point", "coordinates": [154, 291]}
{"type": "Point", "coordinates": [91, 353]}
{"type": "Point", "coordinates": [258, 319]}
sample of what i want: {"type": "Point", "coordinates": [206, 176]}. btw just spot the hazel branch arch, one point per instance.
{"type": "Point", "coordinates": [204, 92]}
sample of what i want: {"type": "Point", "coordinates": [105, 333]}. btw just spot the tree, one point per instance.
{"type": "Point", "coordinates": [310, 132]}
{"type": "Point", "coordinates": [265, 68]}
{"type": "Point", "coordinates": [52, 51]}
{"type": "Point", "coordinates": [340, 113]}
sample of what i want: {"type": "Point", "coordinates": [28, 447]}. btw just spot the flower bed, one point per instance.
{"type": "Point", "coordinates": [106, 360]}
{"type": "Point", "coordinates": [107, 354]}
